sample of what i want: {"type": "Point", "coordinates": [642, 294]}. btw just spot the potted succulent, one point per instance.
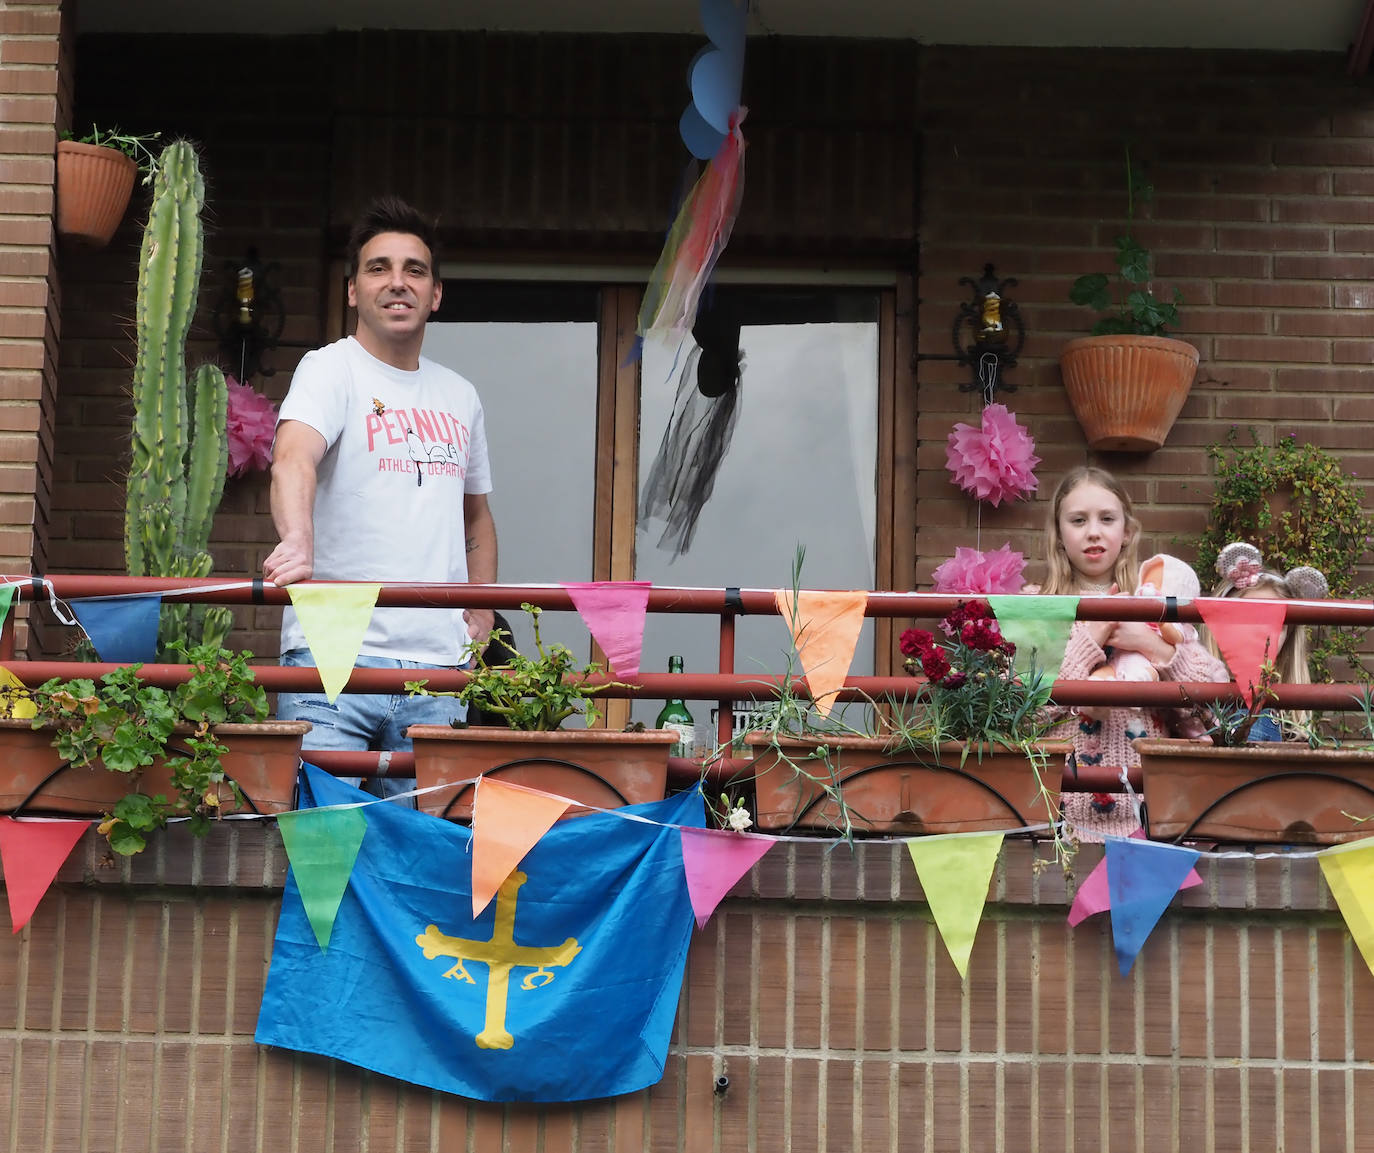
{"type": "Point", "coordinates": [95, 178]}
{"type": "Point", "coordinates": [533, 696]}
{"type": "Point", "coordinates": [1127, 381]}
{"type": "Point", "coordinates": [964, 754]}
{"type": "Point", "coordinates": [142, 755]}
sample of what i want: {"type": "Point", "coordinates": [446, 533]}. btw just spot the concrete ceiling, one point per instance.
{"type": "Point", "coordinates": [1317, 25]}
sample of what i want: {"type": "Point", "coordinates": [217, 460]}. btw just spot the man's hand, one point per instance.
{"type": "Point", "coordinates": [289, 562]}
{"type": "Point", "coordinates": [480, 623]}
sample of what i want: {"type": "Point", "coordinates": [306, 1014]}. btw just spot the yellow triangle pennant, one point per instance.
{"type": "Point", "coordinates": [1349, 874]}
{"type": "Point", "coordinates": [334, 618]}
{"type": "Point", "coordinates": [955, 872]}
{"type": "Point", "coordinates": [825, 628]}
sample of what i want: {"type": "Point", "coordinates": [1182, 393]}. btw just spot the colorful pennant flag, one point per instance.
{"type": "Point", "coordinates": [334, 618]}
{"type": "Point", "coordinates": [122, 629]}
{"type": "Point", "coordinates": [507, 822]}
{"type": "Point", "coordinates": [955, 872]}
{"type": "Point", "coordinates": [1142, 878]}
{"type": "Point", "coordinates": [7, 599]}
{"type": "Point", "coordinates": [1039, 627]}
{"type": "Point", "coordinates": [1094, 897]}
{"type": "Point", "coordinates": [825, 628]}
{"type": "Point", "coordinates": [1247, 633]}
{"type": "Point", "coordinates": [322, 845]}
{"type": "Point", "coordinates": [714, 859]}
{"type": "Point", "coordinates": [614, 612]}
{"type": "Point", "coordinates": [32, 851]}
{"type": "Point", "coordinates": [565, 989]}
{"type": "Point", "coordinates": [1349, 874]}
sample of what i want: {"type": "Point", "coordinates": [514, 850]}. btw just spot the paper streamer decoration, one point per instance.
{"type": "Point", "coordinates": [334, 618]}
{"type": "Point", "coordinates": [1247, 633]}
{"type": "Point", "coordinates": [1094, 897]}
{"type": "Point", "coordinates": [614, 613]}
{"type": "Point", "coordinates": [1349, 874]}
{"type": "Point", "coordinates": [995, 461]}
{"type": "Point", "coordinates": [714, 859]}
{"type": "Point", "coordinates": [715, 77]}
{"type": "Point", "coordinates": [825, 628]}
{"type": "Point", "coordinates": [322, 845]}
{"type": "Point", "coordinates": [1039, 627]}
{"type": "Point", "coordinates": [971, 571]}
{"type": "Point", "coordinates": [32, 851]}
{"type": "Point", "coordinates": [1142, 878]}
{"type": "Point", "coordinates": [955, 872]}
{"type": "Point", "coordinates": [122, 629]}
{"type": "Point", "coordinates": [507, 822]}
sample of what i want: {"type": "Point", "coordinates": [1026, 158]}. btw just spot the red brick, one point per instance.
{"type": "Point", "coordinates": [1353, 183]}
{"type": "Point", "coordinates": [1354, 296]}
{"type": "Point", "coordinates": [1353, 240]}
{"type": "Point", "coordinates": [28, 80]}
{"type": "Point", "coordinates": [14, 50]}
{"type": "Point", "coordinates": [1247, 406]}
{"type": "Point", "coordinates": [1348, 323]}
{"type": "Point", "coordinates": [1271, 348]}
{"type": "Point", "coordinates": [16, 21]}
{"type": "Point", "coordinates": [1325, 211]}
{"type": "Point", "coordinates": [1274, 238]}
{"type": "Point", "coordinates": [1324, 267]}
{"type": "Point", "coordinates": [1272, 294]}
{"type": "Point", "coordinates": [1324, 153]}
{"type": "Point", "coordinates": [28, 109]}
{"type": "Point", "coordinates": [1352, 352]}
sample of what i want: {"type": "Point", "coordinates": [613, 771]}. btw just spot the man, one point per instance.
{"type": "Point", "coordinates": [379, 472]}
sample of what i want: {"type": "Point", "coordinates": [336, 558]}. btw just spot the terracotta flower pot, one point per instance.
{"type": "Point", "coordinates": [263, 760]}
{"type": "Point", "coordinates": [1275, 792]}
{"type": "Point", "coordinates": [600, 767]}
{"type": "Point", "coordinates": [94, 184]}
{"type": "Point", "coordinates": [1127, 390]}
{"type": "Point", "coordinates": [899, 791]}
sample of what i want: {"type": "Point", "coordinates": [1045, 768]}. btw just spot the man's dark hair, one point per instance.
{"type": "Point", "coordinates": [391, 214]}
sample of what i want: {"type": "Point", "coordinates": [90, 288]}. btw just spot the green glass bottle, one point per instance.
{"type": "Point", "coordinates": [676, 716]}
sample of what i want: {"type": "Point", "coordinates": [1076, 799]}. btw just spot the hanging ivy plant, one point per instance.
{"type": "Point", "coordinates": [1296, 504]}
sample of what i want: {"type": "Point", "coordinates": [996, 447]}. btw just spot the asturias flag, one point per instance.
{"type": "Point", "coordinates": [564, 988]}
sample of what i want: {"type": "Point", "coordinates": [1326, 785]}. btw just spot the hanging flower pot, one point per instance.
{"type": "Point", "coordinates": [94, 184]}
{"type": "Point", "coordinates": [1127, 390]}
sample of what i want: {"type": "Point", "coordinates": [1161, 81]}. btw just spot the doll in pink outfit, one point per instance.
{"type": "Point", "coordinates": [1092, 537]}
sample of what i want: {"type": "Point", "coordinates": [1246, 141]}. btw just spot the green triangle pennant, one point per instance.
{"type": "Point", "coordinates": [322, 845]}
{"type": "Point", "coordinates": [6, 599]}
{"type": "Point", "coordinates": [1039, 627]}
{"type": "Point", "coordinates": [334, 618]}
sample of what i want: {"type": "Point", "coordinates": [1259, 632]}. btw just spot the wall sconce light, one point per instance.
{"type": "Point", "coordinates": [249, 317]}
{"type": "Point", "coordinates": [997, 330]}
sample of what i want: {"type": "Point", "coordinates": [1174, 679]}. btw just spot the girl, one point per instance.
{"type": "Point", "coordinates": [1244, 574]}
{"type": "Point", "coordinates": [1092, 538]}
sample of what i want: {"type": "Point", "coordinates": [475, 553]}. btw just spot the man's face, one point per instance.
{"type": "Point", "coordinates": [394, 289]}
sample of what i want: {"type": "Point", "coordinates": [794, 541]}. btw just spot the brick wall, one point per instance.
{"type": "Point", "coordinates": [820, 989]}
{"type": "Point", "coordinates": [35, 104]}
{"type": "Point", "coordinates": [1263, 171]}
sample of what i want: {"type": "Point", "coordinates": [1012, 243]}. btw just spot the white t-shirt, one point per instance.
{"type": "Point", "coordinates": [403, 449]}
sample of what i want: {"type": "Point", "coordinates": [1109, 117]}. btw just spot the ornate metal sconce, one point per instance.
{"type": "Point", "coordinates": [249, 317]}
{"type": "Point", "coordinates": [997, 330]}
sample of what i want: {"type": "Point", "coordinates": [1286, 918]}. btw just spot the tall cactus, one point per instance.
{"type": "Point", "coordinates": [179, 446]}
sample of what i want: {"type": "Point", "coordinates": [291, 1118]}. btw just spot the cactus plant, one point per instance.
{"type": "Point", "coordinates": [179, 448]}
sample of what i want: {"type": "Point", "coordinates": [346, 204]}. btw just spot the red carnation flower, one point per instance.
{"type": "Point", "coordinates": [917, 642]}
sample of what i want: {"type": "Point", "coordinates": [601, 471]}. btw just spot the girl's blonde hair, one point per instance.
{"type": "Point", "coordinates": [1060, 578]}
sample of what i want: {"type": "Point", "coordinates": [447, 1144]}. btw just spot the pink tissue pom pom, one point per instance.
{"type": "Point", "coordinates": [971, 571]}
{"type": "Point", "coordinates": [251, 425]}
{"type": "Point", "coordinates": [995, 462]}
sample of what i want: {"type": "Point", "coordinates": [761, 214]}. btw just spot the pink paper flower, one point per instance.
{"type": "Point", "coordinates": [971, 571]}
{"type": "Point", "coordinates": [995, 462]}
{"type": "Point", "coordinates": [251, 424]}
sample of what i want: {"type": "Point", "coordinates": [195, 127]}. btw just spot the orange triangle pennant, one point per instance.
{"type": "Point", "coordinates": [1247, 633]}
{"type": "Point", "coordinates": [32, 851]}
{"type": "Point", "coordinates": [507, 822]}
{"type": "Point", "coordinates": [825, 628]}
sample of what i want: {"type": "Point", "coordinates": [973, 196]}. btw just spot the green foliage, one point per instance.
{"type": "Point", "coordinates": [1132, 307]}
{"type": "Point", "coordinates": [1325, 526]}
{"type": "Point", "coordinates": [136, 148]}
{"type": "Point", "coordinates": [125, 724]}
{"type": "Point", "coordinates": [178, 446]}
{"type": "Point", "coordinates": [530, 693]}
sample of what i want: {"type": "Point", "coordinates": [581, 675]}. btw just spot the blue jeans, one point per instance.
{"type": "Point", "coordinates": [365, 721]}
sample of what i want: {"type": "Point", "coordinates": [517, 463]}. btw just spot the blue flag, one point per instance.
{"type": "Point", "coordinates": [1142, 878]}
{"type": "Point", "coordinates": [565, 988]}
{"type": "Point", "coordinates": [122, 629]}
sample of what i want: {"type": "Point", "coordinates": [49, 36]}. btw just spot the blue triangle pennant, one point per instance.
{"type": "Point", "coordinates": [1142, 878]}
{"type": "Point", "coordinates": [123, 629]}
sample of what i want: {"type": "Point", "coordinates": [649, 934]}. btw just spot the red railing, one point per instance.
{"type": "Point", "coordinates": [724, 687]}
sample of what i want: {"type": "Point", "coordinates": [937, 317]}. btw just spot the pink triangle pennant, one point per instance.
{"type": "Point", "coordinates": [714, 859]}
{"type": "Point", "coordinates": [507, 822]}
{"type": "Point", "coordinates": [614, 612]}
{"type": "Point", "coordinates": [1246, 630]}
{"type": "Point", "coordinates": [1094, 897]}
{"type": "Point", "coordinates": [32, 851]}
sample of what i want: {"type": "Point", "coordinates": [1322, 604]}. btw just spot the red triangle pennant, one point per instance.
{"type": "Point", "coordinates": [1247, 633]}
{"type": "Point", "coordinates": [614, 612]}
{"type": "Point", "coordinates": [32, 851]}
